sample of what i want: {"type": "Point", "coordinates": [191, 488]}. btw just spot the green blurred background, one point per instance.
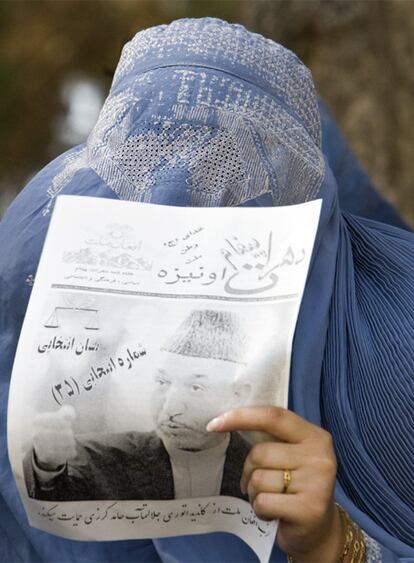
{"type": "Point", "coordinates": [57, 59]}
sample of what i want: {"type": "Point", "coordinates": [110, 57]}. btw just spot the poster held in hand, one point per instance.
{"type": "Point", "coordinates": [144, 323]}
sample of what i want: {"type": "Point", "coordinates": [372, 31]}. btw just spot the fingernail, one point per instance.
{"type": "Point", "coordinates": [242, 488]}
{"type": "Point", "coordinates": [215, 424]}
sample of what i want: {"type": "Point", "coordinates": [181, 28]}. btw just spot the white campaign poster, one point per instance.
{"type": "Point", "coordinates": [145, 322]}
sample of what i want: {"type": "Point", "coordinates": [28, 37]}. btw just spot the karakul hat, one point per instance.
{"type": "Point", "coordinates": [210, 334]}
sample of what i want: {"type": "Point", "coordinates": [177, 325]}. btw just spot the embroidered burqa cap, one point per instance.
{"type": "Point", "coordinates": [210, 334]}
{"type": "Point", "coordinates": [205, 113]}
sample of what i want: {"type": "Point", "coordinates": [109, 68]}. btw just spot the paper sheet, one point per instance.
{"type": "Point", "coordinates": [144, 323]}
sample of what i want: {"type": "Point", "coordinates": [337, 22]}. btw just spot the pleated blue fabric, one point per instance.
{"type": "Point", "coordinates": [367, 382]}
{"type": "Point", "coordinates": [205, 113]}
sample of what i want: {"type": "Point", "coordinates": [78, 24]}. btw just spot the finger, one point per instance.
{"type": "Point", "coordinates": [50, 420]}
{"type": "Point", "coordinates": [281, 423]}
{"type": "Point", "coordinates": [268, 481]}
{"type": "Point", "coordinates": [68, 413]}
{"type": "Point", "coordinates": [274, 506]}
{"type": "Point", "coordinates": [54, 447]}
{"type": "Point", "coordinates": [56, 455]}
{"type": "Point", "coordinates": [271, 455]}
{"type": "Point", "coordinates": [275, 455]}
{"type": "Point", "coordinates": [52, 439]}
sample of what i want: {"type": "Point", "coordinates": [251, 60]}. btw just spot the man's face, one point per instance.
{"type": "Point", "coordinates": [188, 393]}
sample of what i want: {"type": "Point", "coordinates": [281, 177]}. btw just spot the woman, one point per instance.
{"type": "Point", "coordinates": [204, 113]}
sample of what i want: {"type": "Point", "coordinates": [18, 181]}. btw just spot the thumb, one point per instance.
{"type": "Point", "coordinates": [68, 413]}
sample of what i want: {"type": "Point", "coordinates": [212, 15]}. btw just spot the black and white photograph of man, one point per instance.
{"type": "Point", "coordinates": [139, 431]}
{"type": "Point", "coordinates": [200, 371]}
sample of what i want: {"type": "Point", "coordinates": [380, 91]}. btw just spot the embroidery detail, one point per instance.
{"type": "Point", "coordinates": [173, 126]}
{"type": "Point", "coordinates": [234, 144]}
{"type": "Point", "coordinates": [373, 550]}
{"type": "Point", "coordinates": [76, 160]}
{"type": "Point", "coordinates": [218, 43]}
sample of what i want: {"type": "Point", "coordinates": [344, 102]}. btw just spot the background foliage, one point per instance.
{"type": "Point", "coordinates": [361, 54]}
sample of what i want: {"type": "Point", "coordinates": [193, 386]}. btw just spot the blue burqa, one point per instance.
{"type": "Point", "coordinates": [205, 113]}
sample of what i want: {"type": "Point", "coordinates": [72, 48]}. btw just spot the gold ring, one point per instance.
{"type": "Point", "coordinates": [287, 479]}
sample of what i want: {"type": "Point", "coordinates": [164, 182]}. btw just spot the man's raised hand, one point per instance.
{"type": "Point", "coordinates": [53, 438]}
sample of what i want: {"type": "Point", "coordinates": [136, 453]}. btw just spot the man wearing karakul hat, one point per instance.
{"type": "Point", "coordinates": [198, 376]}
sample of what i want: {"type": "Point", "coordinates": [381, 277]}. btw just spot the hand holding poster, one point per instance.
{"type": "Point", "coordinates": [145, 323]}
